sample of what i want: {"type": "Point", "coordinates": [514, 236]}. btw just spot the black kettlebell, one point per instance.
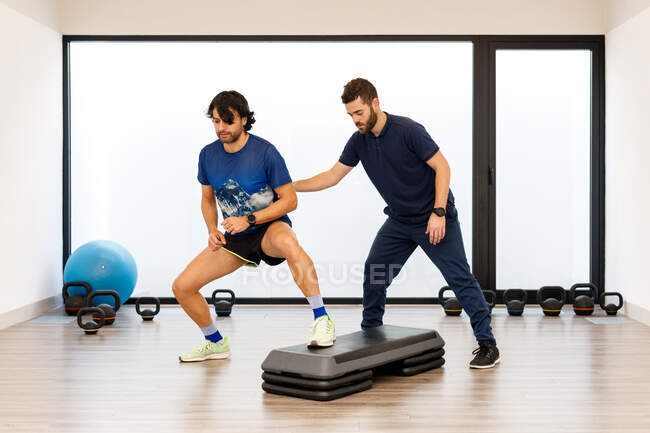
{"type": "Point", "coordinates": [92, 326]}
{"type": "Point", "coordinates": [451, 306]}
{"type": "Point", "coordinates": [109, 311]}
{"type": "Point", "coordinates": [147, 314]}
{"type": "Point", "coordinates": [223, 307]}
{"type": "Point", "coordinates": [551, 306]}
{"type": "Point", "coordinates": [611, 309]}
{"type": "Point", "coordinates": [74, 303]}
{"type": "Point", "coordinates": [583, 305]}
{"type": "Point", "coordinates": [491, 298]}
{"type": "Point", "coordinates": [515, 300]}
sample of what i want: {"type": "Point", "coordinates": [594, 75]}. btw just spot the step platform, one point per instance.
{"type": "Point", "coordinates": [348, 366]}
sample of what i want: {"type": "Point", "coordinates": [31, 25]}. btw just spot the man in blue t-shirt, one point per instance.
{"type": "Point", "coordinates": [249, 180]}
{"type": "Point", "coordinates": [412, 176]}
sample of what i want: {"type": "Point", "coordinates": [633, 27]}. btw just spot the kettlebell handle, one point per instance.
{"type": "Point", "coordinates": [517, 294]}
{"type": "Point", "coordinates": [441, 292]}
{"type": "Point", "coordinates": [593, 290]}
{"type": "Point", "coordinates": [605, 294]}
{"type": "Point", "coordinates": [83, 284]}
{"type": "Point", "coordinates": [112, 293]}
{"type": "Point", "coordinates": [560, 289]}
{"type": "Point", "coordinates": [147, 300]}
{"type": "Point", "coordinates": [491, 294]}
{"type": "Point", "coordinates": [90, 325]}
{"type": "Point", "coordinates": [230, 292]}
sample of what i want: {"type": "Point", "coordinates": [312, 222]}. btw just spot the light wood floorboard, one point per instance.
{"type": "Point", "coordinates": [561, 374]}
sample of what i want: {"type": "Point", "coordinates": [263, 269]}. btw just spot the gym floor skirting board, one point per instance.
{"type": "Point", "coordinates": [348, 366]}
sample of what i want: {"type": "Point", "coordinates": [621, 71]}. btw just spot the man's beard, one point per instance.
{"type": "Point", "coordinates": [231, 138]}
{"type": "Point", "coordinates": [371, 123]}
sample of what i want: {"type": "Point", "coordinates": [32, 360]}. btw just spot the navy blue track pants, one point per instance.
{"type": "Point", "coordinates": [393, 245]}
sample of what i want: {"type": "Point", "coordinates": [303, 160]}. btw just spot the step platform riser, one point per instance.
{"type": "Point", "coordinates": [347, 367]}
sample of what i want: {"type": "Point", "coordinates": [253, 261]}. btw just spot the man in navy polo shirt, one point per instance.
{"type": "Point", "coordinates": [412, 176]}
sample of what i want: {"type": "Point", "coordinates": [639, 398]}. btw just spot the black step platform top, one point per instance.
{"type": "Point", "coordinates": [357, 351]}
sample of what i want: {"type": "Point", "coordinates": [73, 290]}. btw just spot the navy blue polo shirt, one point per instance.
{"type": "Point", "coordinates": [395, 162]}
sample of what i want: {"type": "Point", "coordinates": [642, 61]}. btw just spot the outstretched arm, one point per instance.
{"type": "Point", "coordinates": [323, 180]}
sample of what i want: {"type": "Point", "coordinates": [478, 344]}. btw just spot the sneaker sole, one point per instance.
{"type": "Point", "coordinates": [205, 358]}
{"type": "Point", "coordinates": [486, 366]}
{"type": "Point", "coordinates": [314, 343]}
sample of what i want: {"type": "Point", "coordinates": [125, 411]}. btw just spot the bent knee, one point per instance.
{"type": "Point", "coordinates": [182, 288]}
{"type": "Point", "coordinates": [289, 247]}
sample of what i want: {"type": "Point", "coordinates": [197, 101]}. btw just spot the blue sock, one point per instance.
{"type": "Point", "coordinates": [215, 338]}
{"type": "Point", "coordinates": [210, 333]}
{"type": "Point", "coordinates": [320, 311]}
{"type": "Point", "coordinates": [317, 306]}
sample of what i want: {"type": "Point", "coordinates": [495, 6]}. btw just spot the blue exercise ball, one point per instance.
{"type": "Point", "coordinates": [105, 265]}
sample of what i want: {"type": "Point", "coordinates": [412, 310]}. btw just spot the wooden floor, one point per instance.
{"type": "Point", "coordinates": [563, 374]}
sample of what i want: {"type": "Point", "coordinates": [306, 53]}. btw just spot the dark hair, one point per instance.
{"type": "Point", "coordinates": [226, 100]}
{"type": "Point", "coordinates": [359, 87]}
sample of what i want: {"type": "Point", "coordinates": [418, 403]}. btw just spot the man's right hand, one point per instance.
{"type": "Point", "coordinates": [216, 240]}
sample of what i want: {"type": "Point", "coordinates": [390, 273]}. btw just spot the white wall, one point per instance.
{"type": "Point", "coordinates": [264, 17]}
{"type": "Point", "coordinates": [44, 11]}
{"type": "Point", "coordinates": [619, 11]}
{"type": "Point", "coordinates": [30, 151]}
{"type": "Point", "coordinates": [628, 158]}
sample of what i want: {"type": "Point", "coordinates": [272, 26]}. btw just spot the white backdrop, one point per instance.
{"type": "Point", "coordinates": [138, 125]}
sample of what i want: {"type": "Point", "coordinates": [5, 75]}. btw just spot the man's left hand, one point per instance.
{"type": "Point", "coordinates": [436, 228]}
{"type": "Point", "coordinates": [234, 225]}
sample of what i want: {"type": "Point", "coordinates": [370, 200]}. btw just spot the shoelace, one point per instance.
{"type": "Point", "coordinates": [204, 346]}
{"type": "Point", "coordinates": [328, 324]}
{"type": "Point", "coordinates": [482, 351]}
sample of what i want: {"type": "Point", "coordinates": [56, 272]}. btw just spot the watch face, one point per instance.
{"type": "Point", "coordinates": [251, 218]}
{"type": "Point", "coordinates": [439, 211]}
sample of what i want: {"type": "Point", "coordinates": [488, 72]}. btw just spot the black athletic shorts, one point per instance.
{"type": "Point", "coordinates": [249, 248]}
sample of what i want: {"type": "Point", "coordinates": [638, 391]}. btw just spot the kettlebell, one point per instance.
{"type": "Point", "coordinates": [223, 307]}
{"type": "Point", "coordinates": [109, 312]}
{"type": "Point", "coordinates": [583, 305]}
{"type": "Point", "coordinates": [74, 303]}
{"type": "Point", "coordinates": [551, 306]}
{"type": "Point", "coordinates": [491, 298]}
{"type": "Point", "coordinates": [92, 326]}
{"type": "Point", "coordinates": [515, 300]}
{"type": "Point", "coordinates": [611, 309]}
{"type": "Point", "coordinates": [451, 306]}
{"type": "Point", "coordinates": [147, 314]}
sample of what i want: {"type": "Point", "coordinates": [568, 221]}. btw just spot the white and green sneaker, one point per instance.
{"type": "Point", "coordinates": [207, 350]}
{"type": "Point", "coordinates": [323, 333]}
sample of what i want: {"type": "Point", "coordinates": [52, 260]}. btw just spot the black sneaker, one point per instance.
{"type": "Point", "coordinates": [487, 356]}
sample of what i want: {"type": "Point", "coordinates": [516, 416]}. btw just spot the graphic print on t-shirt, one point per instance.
{"type": "Point", "coordinates": [234, 201]}
{"type": "Point", "coordinates": [244, 181]}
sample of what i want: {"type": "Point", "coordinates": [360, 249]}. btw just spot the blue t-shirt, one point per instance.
{"type": "Point", "coordinates": [395, 162]}
{"type": "Point", "coordinates": [244, 181]}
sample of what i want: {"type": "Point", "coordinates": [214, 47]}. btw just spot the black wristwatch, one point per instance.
{"type": "Point", "coordinates": [440, 211]}
{"type": "Point", "coordinates": [251, 219]}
